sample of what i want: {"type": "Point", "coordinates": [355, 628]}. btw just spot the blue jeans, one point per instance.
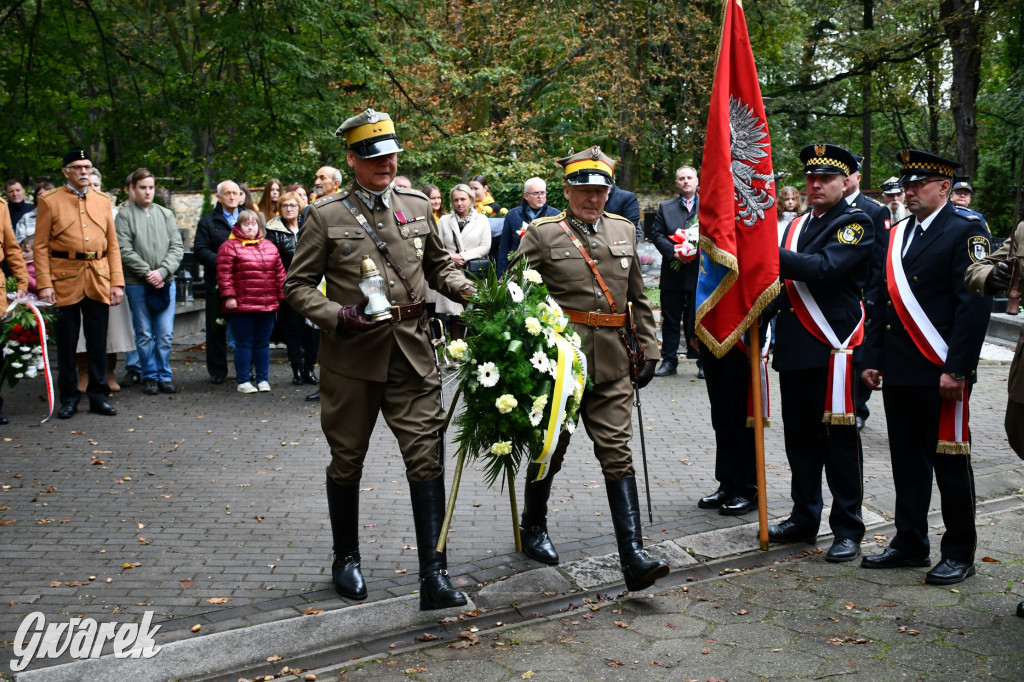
{"type": "Point", "coordinates": [153, 332]}
{"type": "Point", "coordinates": [252, 344]}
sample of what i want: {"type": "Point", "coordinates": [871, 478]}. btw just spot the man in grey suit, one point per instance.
{"type": "Point", "coordinates": [678, 279]}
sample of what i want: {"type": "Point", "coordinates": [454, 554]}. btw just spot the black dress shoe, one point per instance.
{"type": "Point", "coordinates": [787, 531]}
{"type": "Point", "coordinates": [314, 396]}
{"type": "Point", "coordinates": [714, 500]}
{"type": "Point", "coordinates": [309, 378]}
{"type": "Point", "coordinates": [166, 387]}
{"type": "Point", "coordinates": [895, 558]}
{"type": "Point", "coordinates": [950, 572]}
{"type": "Point", "coordinates": [104, 408]}
{"type": "Point", "coordinates": [537, 545]}
{"type": "Point", "coordinates": [216, 380]}
{"type": "Point", "coordinates": [149, 387]}
{"type": "Point", "coordinates": [842, 550]}
{"type": "Point", "coordinates": [4, 419]}
{"type": "Point", "coordinates": [67, 411]}
{"type": "Point", "coordinates": [1020, 610]}
{"type": "Point", "coordinates": [700, 372]}
{"type": "Point", "coordinates": [668, 367]}
{"type": "Point", "coordinates": [738, 505]}
{"type": "Point", "coordinates": [296, 377]}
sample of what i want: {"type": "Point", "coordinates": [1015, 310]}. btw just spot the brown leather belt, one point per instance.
{"type": "Point", "coordinates": [79, 255]}
{"type": "Point", "coordinates": [411, 311]}
{"type": "Point", "coordinates": [595, 319]}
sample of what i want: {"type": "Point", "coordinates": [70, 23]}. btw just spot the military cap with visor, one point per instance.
{"type": "Point", "coordinates": [589, 167]}
{"type": "Point", "coordinates": [76, 154]}
{"type": "Point", "coordinates": [918, 165]}
{"type": "Point", "coordinates": [827, 159]}
{"type": "Point", "coordinates": [370, 134]}
{"type": "Point", "coordinates": [962, 183]}
{"type": "Point", "coordinates": [892, 186]}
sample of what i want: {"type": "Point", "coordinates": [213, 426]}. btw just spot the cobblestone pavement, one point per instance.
{"type": "Point", "coordinates": [208, 506]}
{"type": "Point", "coordinates": [794, 619]}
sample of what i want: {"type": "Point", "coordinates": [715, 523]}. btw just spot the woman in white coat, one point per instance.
{"type": "Point", "coordinates": [466, 235]}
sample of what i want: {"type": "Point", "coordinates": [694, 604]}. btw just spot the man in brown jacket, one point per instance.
{"type": "Point", "coordinates": [371, 367]}
{"type": "Point", "coordinates": [78, 267]}
{"type": "Point", "coordinates": [587, 259]}
{"type": "Point", "coordinates": [10, 256]}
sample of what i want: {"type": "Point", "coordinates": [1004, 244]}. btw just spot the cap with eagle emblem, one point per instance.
{"type": "Point", "coordinates": [919, 165]}
{"type": "Point", "coordinates": [827, 159]}
{"type": "Point", "coordinates": [589, 167]}
{"type": "Point", "coordinates": [370, 134]}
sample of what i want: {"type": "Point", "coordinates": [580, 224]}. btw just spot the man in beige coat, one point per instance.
{"type": "Point", "coordinates": [78, 267]}
{"type": "Point", "coordinates": [561, 249]}
{"type": "Point", "coordinates": [366, 367]}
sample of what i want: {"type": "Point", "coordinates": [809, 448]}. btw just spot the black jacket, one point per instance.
{"type": "Point", "coordinates": [510, 238]}
{"type": "Point", "coordinates": [833, 260]}
{"type": "Point", "coordinates": [672, 215]}
{"type": "Point", "coordinates": [880, 216]}
{"type": "Point", "coordinates": [212, 231]}
{"type": "Point", "coordinates": [935, 266]}
{"type": "Point", "coordinates": [624, 203]}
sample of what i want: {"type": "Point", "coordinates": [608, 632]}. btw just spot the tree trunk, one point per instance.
{"type": "Point", "coordinates": [964, 22]}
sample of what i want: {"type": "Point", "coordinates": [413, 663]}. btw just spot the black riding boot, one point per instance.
{"type": "Point", "coordinates": [534, 529]}
{"type": "Point", "coordinates": [436, 591]}
{"type": "Point", "coordinates": [639, 570]}
{"type": "Point", "coordinates": [296, 375]}
{"type": "Point", "coordinates": [343, 504]}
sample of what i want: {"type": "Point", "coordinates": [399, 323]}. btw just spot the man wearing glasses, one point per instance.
{"type": "Point", "coordinates": [924, 342]}
{"type": "Point", "coordinates": [534, 205]}
{"type": "Point", "coordinates": [78, 268]}
{"type": "Point", "coordinates": [213, 230]}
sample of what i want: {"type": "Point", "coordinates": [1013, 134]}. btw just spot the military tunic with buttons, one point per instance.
{"type": "Point", "coordinates": [387, 369]}
{"type": "Point", "coordinates": [10, 252]}
{"type": "Point", "coordinates": [934, 264]}
{"type": "Point", "coordinates": [607, 405]}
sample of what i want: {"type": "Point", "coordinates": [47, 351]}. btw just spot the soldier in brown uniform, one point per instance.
{"type": "Point", "coordinates": [78, 267]}
{"type": "Point", "coordinates": [989, 276]}
{"type": "Point", "coordinates": [561, 249]}
{"type": "Point", "coordinates": [10, 256]}
{"type": "Point", "coordinates": [367, 367]}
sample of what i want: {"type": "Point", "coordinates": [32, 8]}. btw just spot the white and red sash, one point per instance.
{"type": "Point", "coordinates": [839, 408]}
{"type": "Point", "coordinates": [954, 433]}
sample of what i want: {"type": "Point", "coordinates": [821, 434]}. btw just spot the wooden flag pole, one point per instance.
{"type": "Point", "coordinates": [758, 409]}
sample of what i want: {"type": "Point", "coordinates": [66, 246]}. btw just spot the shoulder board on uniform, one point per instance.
{"type": "Point", "coordinates": [873, 200]}
{"type": "Point", "coordinates": [49, 192]}
{"type": "Point", "coordinates": [337, 196]}
{"type": "Point", "coordinates": [617, 216]}
{"type": "Point", "coordinates": [103, 194]}
{"type": "Point", "coordinates": [550, 219]}
{"type": "Point", "coordinates": [412, 192]}
{"type": "Point", "coordinates": [854, 209]}
{"type": "Point", "coordinates": [966, 213]}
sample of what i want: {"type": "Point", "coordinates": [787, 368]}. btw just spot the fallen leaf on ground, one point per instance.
{"type": "Point", "coordinates": [622, 624]}
{"type": "Point", "coordinates": [271, 659]}
{"type": "Point", "coordinates": [312, 612]}
{"type": "Point", "coordinates": [187, 583]}
{"type": "Point", "coordinates": [990, 560]}
{"type": "Point", "coordinates": [413, 671]}
{"type": "Point", "coordinates": [426, 637]}
{"type": "Point", "coordinates": [612, 663]}
{"type": "Point", "coordinates": [218, 600]}
{"type": "Point", "coordinates": [527, 675]}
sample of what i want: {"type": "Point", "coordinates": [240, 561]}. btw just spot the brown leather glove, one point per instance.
{"type": "Point", "coordinates": [466, 293]}
{"type": "Point", "coordinates": [352, 319]}
{"type": "Point", "coordinates": [999, 278]}
{"type": "Point", "coordinates": [646, 373]}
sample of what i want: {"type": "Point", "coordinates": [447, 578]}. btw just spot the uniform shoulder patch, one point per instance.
{"type": "Point", "coordinates": [411, 191]}
{"type": "Point", "coordinates": [49, 192]}
{"type": "Point", "coordinates": [978, 248]}
{"type": "Point", "coordinates": [550, 219]}
{"type": "Point", "coordinates": [323, 201]}
{"type": "Point", "coordinates": [966, 213]}
{"type": "Point", "coordinates": [850, 234]}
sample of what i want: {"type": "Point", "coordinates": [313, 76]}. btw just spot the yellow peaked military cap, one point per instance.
{"type": "Point", "coordinates": [370, 134]}
{"type": "Point", "coordinates": [589, 167]}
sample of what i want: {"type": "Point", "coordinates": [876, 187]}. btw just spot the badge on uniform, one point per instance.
{"type": "Point", "coordinates": [417, 244]}
{"type": "Point", "coordinates": [624, 263]}
{"type": "Point", "coordinates": [346, 249]}
{"type": "Point", "coordinates": [851, 234]}
{"type": "Point", "coordinates": [977, 248]}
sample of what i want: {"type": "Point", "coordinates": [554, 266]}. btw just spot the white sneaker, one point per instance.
{"type": "Point", "coordinates": [263, 386]}
{"type": "Point", "coordinates": [246, 388]}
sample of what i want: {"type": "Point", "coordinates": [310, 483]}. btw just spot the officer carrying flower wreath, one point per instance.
{"type": "Point", "coordinates": [589, 262]}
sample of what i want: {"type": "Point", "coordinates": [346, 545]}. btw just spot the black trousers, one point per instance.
{"type": "Point", "coordinates": [727, 379]}
{"type": "Point", "coordinates": [216, 335]}
{"type": "Point", "coordinates": [89, 317]}
{"type": "Point", "coordinates": [813, 446]}
{"type": "Point", "coordinates": [302, 340]}
{"type": "Point", "coordinates": [912, 413]}
{"type": "Point", "coordinates": [677, 322]}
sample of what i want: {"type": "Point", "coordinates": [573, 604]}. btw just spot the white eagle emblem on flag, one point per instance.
{"type": "Point", "coordinates": [746, 132]}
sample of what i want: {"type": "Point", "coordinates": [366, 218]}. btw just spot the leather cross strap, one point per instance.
{"type": "Point", "coordinates": [593, 266]}
{"type": "Point", "coordinates": [381, 246]}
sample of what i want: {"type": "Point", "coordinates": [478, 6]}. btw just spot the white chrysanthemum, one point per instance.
{"type": "Point", "coordinates": [458, 350]}
{"type": "Point", "coordinates": [502, 447]}
{"type": "Point", "coordinates": [506, 403]}
{"type": "Point", "coordinates": [487, 374]}
{"type": "Point", "coordinates": [533, 325]}
{"type": "Point", "coordinates": [577, 393]}
{"type": "Point", "coordinates": [515, 291]}
{"type": "Point", "coordinates": [540, 402]}
{"type": "Point", "coordinates": [531, 275]}
{"type": "Point", "coordinates": [17, 365]}
{"type": "Point", "coordinates": [20, 375]}
{"type": "Point", "coordinates": [31, 371]}
{"type": "Point", "coordinates": [540, 362]}
{"type": "Point", "coordinates": [25, 349]}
